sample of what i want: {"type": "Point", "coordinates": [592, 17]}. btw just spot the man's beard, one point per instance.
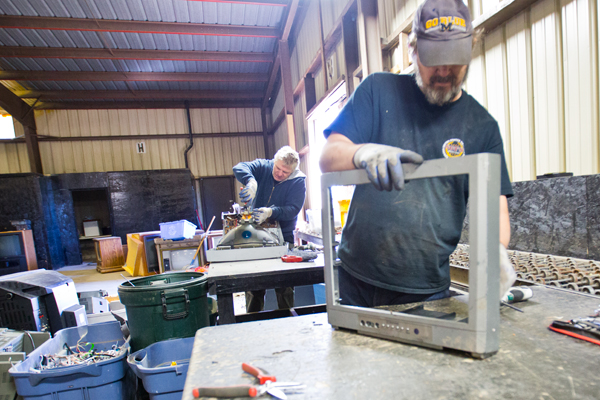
{"type": "Point", "coordinates": [439, 96]}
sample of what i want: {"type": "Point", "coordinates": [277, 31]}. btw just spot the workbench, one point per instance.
{"type": "Point", "coordinates": [532, 363]}
{"type": "Point", "coordinates": [227, 278]}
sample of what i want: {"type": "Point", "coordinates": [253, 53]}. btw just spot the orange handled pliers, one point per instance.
{"type": "Point", "coordinates": [268, 384]}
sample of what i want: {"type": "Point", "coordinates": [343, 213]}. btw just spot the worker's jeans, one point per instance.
{"type": "Point", "coordinates": [255, 300]}
{"type": "Point", "coordinates": [355, 292]}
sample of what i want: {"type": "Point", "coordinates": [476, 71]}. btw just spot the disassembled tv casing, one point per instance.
{"type": "Point", "coordinates": [479, 334]}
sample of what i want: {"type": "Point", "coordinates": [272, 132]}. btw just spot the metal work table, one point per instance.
{"type": "Point", "coordinates": [532, 363]}
{"type": "Point", "coordinates": [227, 278]}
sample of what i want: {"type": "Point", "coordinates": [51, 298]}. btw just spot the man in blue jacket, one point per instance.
{"type": "Point", "coordinates": [277, 189]}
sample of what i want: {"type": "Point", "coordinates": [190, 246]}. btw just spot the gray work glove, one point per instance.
{"type": "Point", "coordinates": [248, 193]}
{"type": "Point", "coordinates": [384, 164]}
{"type": "Point", "coordinates": [261, 214]}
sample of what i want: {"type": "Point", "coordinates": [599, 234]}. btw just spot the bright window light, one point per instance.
{"type": "Point", "coordinates": [7, 128]}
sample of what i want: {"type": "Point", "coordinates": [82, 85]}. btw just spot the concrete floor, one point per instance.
{"type": "Point", "coordinates": [86, 278]}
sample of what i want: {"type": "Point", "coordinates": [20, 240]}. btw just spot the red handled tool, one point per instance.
{"type": "Point", "coordinates": [268, 384]}
{"type": "Point", "coordinates": [261, 375]}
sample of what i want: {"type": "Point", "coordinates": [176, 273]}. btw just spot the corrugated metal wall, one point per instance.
{"type": "Point", "coordinates": [300, 123]}
{"type": "Point", "coordinates": [547, 95]}
{"type": "Point", "coordinates": [13, 156]}
{"type": "Point", "coordinates": [332, 10]}
{"type": "Point", "coordinates": [280, 137]}
{"type": "Point", "coordinates": [279, 103]}
{"type": "Point", "coordinates": [542, 87]}
{"type": "Point", "coordinates": [216, 156]}
{"type": "Point", "coordinates": [537, 75]}
{"type": "Point", "coordinates": [302, 55]}
{"type": "Point", "coordinates": [307, 42]}
{"type": "Point", "coordinates": [392, 13]}
{"type": "Point", "coordinates": [208, 157]}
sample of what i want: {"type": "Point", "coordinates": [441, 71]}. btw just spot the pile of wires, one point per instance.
{"type": "Point", "coordinates": [80, 354]}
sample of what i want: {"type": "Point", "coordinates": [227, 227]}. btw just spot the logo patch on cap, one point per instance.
{"type": "Point", "coordinates": [445, 24]}
{"type": "Point", "coordinates": [453, 148]}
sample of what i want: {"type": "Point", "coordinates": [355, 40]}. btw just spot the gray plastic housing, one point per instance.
{"type": "Point", "coordinates": [479, 334]}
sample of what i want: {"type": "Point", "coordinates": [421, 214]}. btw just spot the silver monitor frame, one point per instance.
{"type": "Point", "coordinates": [478, 336]}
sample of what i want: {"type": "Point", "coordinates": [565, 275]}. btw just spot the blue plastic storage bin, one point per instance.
{"type": "Point", "coordinates": [100, 381]}
{"type": "Point", "coordinates": [320, 296]}
{"type": "Point", "coordinates": [152, 365]}
{"type": "Point", "coordinates": [177, 230]}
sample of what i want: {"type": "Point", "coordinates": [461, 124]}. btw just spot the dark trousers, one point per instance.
{"type": "Point", "coordinates": [354, 292]}
{"type": "Point", "coordinates": [255, 300]}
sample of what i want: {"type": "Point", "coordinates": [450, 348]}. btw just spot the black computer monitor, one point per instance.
{"type": "Point", "coordinates": [12, 253]}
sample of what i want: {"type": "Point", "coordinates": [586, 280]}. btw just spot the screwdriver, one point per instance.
{"type": "Point", "coordinates": [503, 303]}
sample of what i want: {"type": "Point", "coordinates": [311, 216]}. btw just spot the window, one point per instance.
{"type": "Point", "coordinates": [318, 121]}
{"type": "Point", "coordinates": [7, 127]}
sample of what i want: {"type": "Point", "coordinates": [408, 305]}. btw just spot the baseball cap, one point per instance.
{"type": "Point", "coordinates": [444, 33]}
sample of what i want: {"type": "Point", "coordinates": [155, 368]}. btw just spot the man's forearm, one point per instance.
{"type": "Point", "coordinates": [337, 154]}
{"type": "Point", "coordinates": [242, 172]}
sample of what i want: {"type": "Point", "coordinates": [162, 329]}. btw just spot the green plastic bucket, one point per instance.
{"type": "Point", "coordinates": [165, 306]}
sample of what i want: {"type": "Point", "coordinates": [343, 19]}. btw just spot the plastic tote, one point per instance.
{"type": "Point", "coordinates": [177, 230]}
{"type": "Point", "coordinates": [99, 381]}
{"type": "Point", "coordinates": [165, 306]}
{"type": "Point", "coordinates": [153, 365]}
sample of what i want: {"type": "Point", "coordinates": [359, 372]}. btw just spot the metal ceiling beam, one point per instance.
{"type": "Point", "coordinates": [289, 21]}
{"type": "Point", "coordinates": [130, 76]}
{"type": "Point", "coordinates": [288, 92]}
{"type": "Point", "coordinates": [141, 137]}
{"type": "Point", "coordinates": [368, 37]}
{"type": "Point", "coordinates": [117, 105]}
{"type": "Point", "coordinates": [141, 95]}
{"type": "Point", "coordinates": [280, 3]}
{"type": "Point", "coordinates": [351, 51]}
{"type": "Point", "coordinates": [16, 107]}
{"type": "Point", "coordinates": [322, 43]}
{"type": "Point", "coordinates": [263, 117]}
{"type": "Point", "coordinates": [272, 79]}
{"type": "Point", "coordinates": [115, 54]}
{"type": "Point", "coordinates": [24, 114]}
{"type": "Point", "coordinates": [104, 25]}
{"type": "Point", "coordinates": [287, 28]}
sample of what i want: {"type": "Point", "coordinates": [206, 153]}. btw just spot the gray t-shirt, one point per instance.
{"type": "Point", "coordinates": [402, 240]}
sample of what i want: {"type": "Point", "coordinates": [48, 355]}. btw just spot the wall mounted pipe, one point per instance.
{"type": "Point", "coordinates": [189, 121]}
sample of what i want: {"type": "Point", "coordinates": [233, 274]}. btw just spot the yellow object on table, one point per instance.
{"type": "Point", "coordinates": [134, 263]}
{"type": "Point", "coordinates": [344, 206]}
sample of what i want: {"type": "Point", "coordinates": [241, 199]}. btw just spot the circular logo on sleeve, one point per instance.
{"type": "Point", "coordinates": [453, 148]}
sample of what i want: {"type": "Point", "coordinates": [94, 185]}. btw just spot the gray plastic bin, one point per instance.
{"type": "Point", "coordinates": [152, 365]}
{"type": "Point", "coordinates": [100, 381]}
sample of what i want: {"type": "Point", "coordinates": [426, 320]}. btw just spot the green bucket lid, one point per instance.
{"type": "Point", "coordinates": [147, 290]}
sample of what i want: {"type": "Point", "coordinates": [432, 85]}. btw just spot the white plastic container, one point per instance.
{"type": "Point", "coordinates": [177, 230]}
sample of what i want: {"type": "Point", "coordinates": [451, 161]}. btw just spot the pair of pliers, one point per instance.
{"type": "Point", "coordinates": [268, 384]}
